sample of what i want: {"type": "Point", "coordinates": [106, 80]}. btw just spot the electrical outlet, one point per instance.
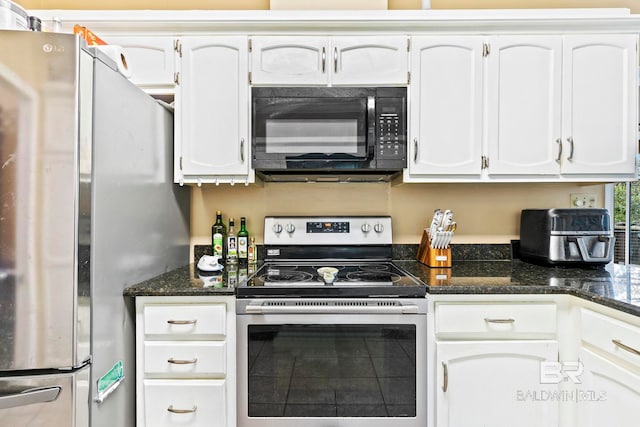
{"type": "Point", "coordinates": [583, 200]}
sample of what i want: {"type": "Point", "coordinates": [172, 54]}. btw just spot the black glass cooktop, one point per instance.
{"type": "Point", "coordinates": [368, 279]}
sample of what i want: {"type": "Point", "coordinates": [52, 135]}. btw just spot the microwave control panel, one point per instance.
{"type": "Point", "coordinates": [391, 133]}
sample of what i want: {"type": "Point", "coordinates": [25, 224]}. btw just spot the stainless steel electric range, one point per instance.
{"type": "Point", "coordinates": [330, 331]}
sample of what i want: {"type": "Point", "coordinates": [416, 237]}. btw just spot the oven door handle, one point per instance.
{"type": "Point", "coordinates": [321, 309]}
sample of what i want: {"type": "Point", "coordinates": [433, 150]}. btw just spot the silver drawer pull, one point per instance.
{"type": "Point", "coordinates": [182, 411]}
{"type": "Point", "coordinates": [445, 381]}
{"type": "Point", "coordinates": [489, 320]}
{"type": "Point", "coordinates": [631, 350]}
{"type": "Point", "coordinates": [181, 322]}
{"type": "Point", "coordinates": [182, 361]}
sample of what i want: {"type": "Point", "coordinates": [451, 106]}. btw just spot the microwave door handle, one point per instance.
{"type": "Point", "coordinates": [371, 128]}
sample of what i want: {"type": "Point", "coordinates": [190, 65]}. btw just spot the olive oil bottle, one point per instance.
{"type": "Point", "coordinates": [243, 243]}
{"type": "Point", "coordinates": [219, 237]}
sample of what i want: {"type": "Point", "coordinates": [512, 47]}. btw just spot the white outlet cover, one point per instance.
{"type": "Point", "coordinates": [583, 200]}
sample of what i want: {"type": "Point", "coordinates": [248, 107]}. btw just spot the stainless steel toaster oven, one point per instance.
{"type": "Point", "coordinates": [566, 236]}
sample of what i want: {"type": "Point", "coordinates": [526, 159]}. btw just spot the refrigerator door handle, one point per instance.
{"type": "Point", "coordinates": [29, 396]}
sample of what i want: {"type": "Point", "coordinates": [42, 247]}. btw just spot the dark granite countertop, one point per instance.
{"type": "Point", "coordinates": [614, 286]}
{"type": "Point", "coordinates": [185, 280]}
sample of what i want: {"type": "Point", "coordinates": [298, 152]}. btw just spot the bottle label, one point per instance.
{"type": "Point", "coordinates": [242, 247]}
{"type": "Point", "coordinates": [232, 249]}
{"type": "Point", "coordinates": [251, 253]}
{"type": "Point", "coordinates": [217, 244]}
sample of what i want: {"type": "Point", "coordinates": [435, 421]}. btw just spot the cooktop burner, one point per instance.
{"type": "Point", "coordinates": [359, 279]}
{"type": "Point", "coordinates": [356, 252]}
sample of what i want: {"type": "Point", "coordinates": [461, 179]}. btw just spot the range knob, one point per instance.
{"type": "Point", "coordinates": [366, 227]}
{"type": "Point", "coordinates": [378, 228]}
{"type": "Point", "coordinates": [277, 228]}
{"type": "Point", "coordinates": [290, 228]}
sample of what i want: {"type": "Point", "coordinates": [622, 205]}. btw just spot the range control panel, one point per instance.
{"type": "Point", "coordinates": [328, 227]}
{"type": "Point", "coordinates": [360, 230]}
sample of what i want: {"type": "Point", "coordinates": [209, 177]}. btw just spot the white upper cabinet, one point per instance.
{"type": "Point", "coordinates": [446, 106]}
{"type": "Point", "coordinates": [150, 59]}
{"type": "Point", "coordinates": [338, 60]}
{"type": "Point", "coordinates": [212, 111]}
{"type": "Point", "coordinates": [523, 108]}
{"type": "Point", "coordinates": [524, 75]}
{"type": "Point", "coordinates": [600, 114]}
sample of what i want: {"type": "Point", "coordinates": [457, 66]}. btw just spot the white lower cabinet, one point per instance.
{"type": "Point", "coordinates": [488, 359]}
{"type": "Point", "coordinates": [185, 361]}
{"type": "Point", "coordinates": [494, 383]}
{"type": "Point", "coordinates": [609, 394]}
{"type": "Point", "coordinates": [609, 388]}
{"type": "Point", "coordinates": [192, 403]}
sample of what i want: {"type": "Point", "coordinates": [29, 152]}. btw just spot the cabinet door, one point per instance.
{"type": "Point", "coordinates": [599, 105]}
{"type": "Point", "coordinates": [369, 60]}
{"type": "Point", "coordinates": [608, 394]}
{"type": "Point", "coordinates": [524, 75]}
{"type": "Point", "coordinates": [150, 59]}
{"type": "Point", "coordinates": [290, 60]}
{"type": "Point", "coordinates": [446, 114]}
{"type": "Point", "coordinates": [211, 108]}
{"type": "Point", "coordinates": [494, 383]}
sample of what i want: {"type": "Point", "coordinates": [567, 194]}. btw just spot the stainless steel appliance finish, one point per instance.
{"type": "Point", "coordinates": [80, 148]}
{"type": "Point", "coordinates": [329, 133]}
{"type": "Point", "coordinates": [343, 350]}
{"type": "Point", "coordinates": [576, 236]}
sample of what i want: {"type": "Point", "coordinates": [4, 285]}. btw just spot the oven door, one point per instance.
{"type": "Point", "coordinates": [332, 364]}
{"type": "Point", "coordinates": [308, 130]}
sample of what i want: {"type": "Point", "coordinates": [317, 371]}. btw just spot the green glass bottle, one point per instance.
{"type": "Point", "coordinates": [243, 242]}
{"type": "Point", "coordinates": [219, 237]}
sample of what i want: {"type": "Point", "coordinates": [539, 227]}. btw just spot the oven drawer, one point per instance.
{"type": "Point", "coordinates": [193, 403]}
{"type": "Point", "coordinates": [186, 359]}
{"type": "Point", "coordinates": [193, 321]}
{"type": "Point", "coordinates": [496, 321]}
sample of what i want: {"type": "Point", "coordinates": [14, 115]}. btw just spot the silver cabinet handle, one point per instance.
{"type": "Point", "coordinates": [181, 322]}
{"type": "Point", "coordinates": [445, 381]}
{"type": "Point", "coordinates": [182, 411]}
{"type": "Point", "coordinates": [415, 150]}
{"type": "Point", "coordinates": [30, 396]}
{"type": "Point", "coordinates": [559, 142]}
{"type": "Point", "coordinates": [570, 141]}
{"type": "Point", "coordinates": [335, 59]}
{"type": "Point", "coordinates": [625, 347]}
{"type": "Point", "coordinates": [242, 150]}
{"type": "Point", "coordinates": [490, 320]}
{"type": "Point", "coordinates": [324, 59]}
{"type": "Point", "coordinates": [182, 361]}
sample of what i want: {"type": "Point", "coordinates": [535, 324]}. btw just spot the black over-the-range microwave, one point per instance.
{"type": "Point", "coordinates": [329, 133]}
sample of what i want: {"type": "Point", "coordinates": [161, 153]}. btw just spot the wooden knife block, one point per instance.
{"type": "Point", "coordinates": [431, 256]}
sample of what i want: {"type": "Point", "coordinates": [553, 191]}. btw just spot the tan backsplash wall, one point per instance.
{"type": "Point", "coordinates": [486, 213]}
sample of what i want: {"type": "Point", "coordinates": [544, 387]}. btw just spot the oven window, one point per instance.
{"type": "Point", "coordinates": [332, 370]}
{"type": "Point", "coordinates": [299, 136]}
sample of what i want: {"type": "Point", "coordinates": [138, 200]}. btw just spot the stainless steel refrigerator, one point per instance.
{"type": "Point", "coordinates": [87, 207]}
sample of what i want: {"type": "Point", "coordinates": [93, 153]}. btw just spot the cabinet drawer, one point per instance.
{"type": "Point", "coordinates": [193, 321]}
{"type": "Point", "coordinates": [614, 337]}
{"type": "Point", "coordinates": [192, 403]}
{"type": "Point", "coordinates": [495, 321]}
{"type": "Point", "coordinates": [185, 359]}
